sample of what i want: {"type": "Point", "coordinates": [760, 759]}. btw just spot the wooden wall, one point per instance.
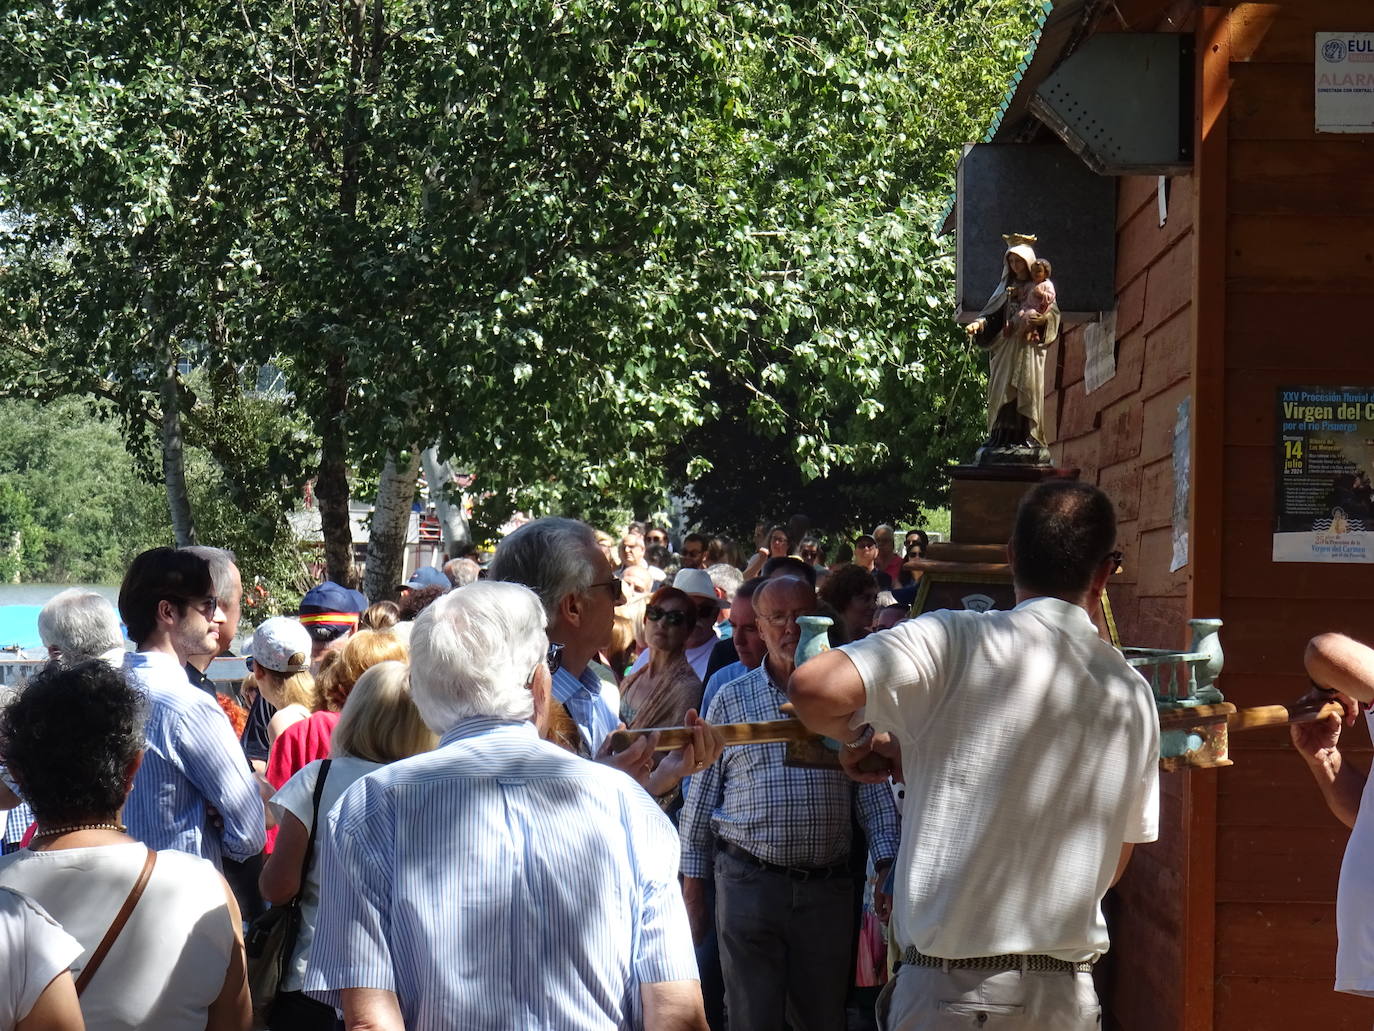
{"type": "Point", "coordinates": [1121, 438]}
{"type": "Point", "coordinates": [1300, 250]}
{"type": "Point", "coordinates": [1267, 286]}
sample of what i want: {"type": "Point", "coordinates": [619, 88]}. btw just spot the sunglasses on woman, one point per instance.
{"type": "Point", "coordinates": [674, 617]}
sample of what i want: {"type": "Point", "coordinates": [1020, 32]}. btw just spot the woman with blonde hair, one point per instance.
{"type": "Point", "coordinates": [382, 615]}
{"type": "Point", "coordinates": [281, 672]}
{"type": "Point", "coordinates": [309, 739]}
{"type": "Point", "coordinates": [379, 724]}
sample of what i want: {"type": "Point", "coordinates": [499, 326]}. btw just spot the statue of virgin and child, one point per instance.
{"type": "Point", "coordinates": [1016, 328]}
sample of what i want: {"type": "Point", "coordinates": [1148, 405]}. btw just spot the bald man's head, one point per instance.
{"type": "Point", "coordinates": [777, 606]}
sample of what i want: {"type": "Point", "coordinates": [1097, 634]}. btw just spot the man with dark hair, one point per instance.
{"type": "Point", "coordinates": [788, 565]}
{"type": "Point", "coordinates": [192, 763]}
{"type": "Point", "coordinates": [866, 552]}
{"type": "Point", "coordinates": [1025, 735]}
{"type": "Point", "coordinates": [693, 551]}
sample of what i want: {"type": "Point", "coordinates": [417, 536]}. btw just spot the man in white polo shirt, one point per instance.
{"type": "Point", "coordinates": [1030, 753]}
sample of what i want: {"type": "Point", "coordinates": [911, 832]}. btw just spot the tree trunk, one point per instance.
{"type": "Point", "coordinates": [331, 486]}
{"type": "Point", "coordinates": [448, 507]}
{"type": "Point", "coordinates": [174, 455]}
{"type": "Point", "coordinates": [390, 519]}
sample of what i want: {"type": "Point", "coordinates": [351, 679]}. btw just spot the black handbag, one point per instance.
{"type": "Point", "coordinates": [271, 937]}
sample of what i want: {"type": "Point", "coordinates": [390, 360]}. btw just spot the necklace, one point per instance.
{"type": "Point", "coordinates": [57, 832]}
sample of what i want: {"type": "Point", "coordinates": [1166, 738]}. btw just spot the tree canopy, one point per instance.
{"type": "Point", "coordinates": [595, 250]}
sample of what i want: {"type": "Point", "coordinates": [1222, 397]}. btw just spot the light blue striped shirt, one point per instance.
{"type": "Point", "coordinates": [191, 759]}
{"type": "Point", "coordinates": [593, 704]}
{"type": "Point", "coordinates": [500, 882]}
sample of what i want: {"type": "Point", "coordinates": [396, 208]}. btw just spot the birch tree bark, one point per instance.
{"type": "Point", "coordinates": [390, 520]}
{"type": "Point", "coordinates": [449, 509]}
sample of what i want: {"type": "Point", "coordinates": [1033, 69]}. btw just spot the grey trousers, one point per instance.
{"type": "Point", "coordinates": [930, 999]}
{"type": "Point", "coordinates": [785, 948]}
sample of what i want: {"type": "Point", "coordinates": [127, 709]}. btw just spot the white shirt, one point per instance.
{"type": "Point", "coordinates": [1031, 753]}
{"type": "Point", "coordinates": [33, 951]}
{"type": "Point", "coordinates": [169, 962]}
{"type": "Point", "coordinates": [296, 797]}
{"type": "Point", "coordinates": [1355, 899]}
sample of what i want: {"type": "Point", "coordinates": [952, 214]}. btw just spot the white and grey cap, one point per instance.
{"type": "Point", "coordinates": [282, 645]}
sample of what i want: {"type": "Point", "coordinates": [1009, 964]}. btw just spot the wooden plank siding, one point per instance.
{"type": "Point", "coordinates": [1120, 437]}
{"type": "Point", "coordinates": [1227, 921]}
{"type": "Point", "coordinates": [1299, 240]}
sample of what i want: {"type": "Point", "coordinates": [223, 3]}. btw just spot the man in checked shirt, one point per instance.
{"type": "Point", "coordinates": [777, 839]}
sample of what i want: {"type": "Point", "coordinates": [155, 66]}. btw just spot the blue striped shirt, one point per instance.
{"type": "Point", "coordinates": [593, 704]}
{"type": "Point", "coordinates": [789, 815]}
{"type": "Point", "coordinates": [500, 882]}
{"type": "Point", "coordinates": [191, 759]}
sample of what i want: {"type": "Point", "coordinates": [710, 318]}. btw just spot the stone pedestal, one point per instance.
{"type": "Point", "coordinates": [970, 570]}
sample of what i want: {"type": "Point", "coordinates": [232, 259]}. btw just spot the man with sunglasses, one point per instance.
{"type": "Point", "coordinates": [1031, 761]}
{"type": "Point", "coordinates": [192, 763]}
{"type": "Point", "coordinates": [560, 560]}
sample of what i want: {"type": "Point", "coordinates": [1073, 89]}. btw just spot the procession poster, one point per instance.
{"type": "Point", "coordinates": [1324, 506]}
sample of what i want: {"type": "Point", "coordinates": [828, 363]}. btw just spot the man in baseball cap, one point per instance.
{"type": "Point", "coordinates": [425, 576]}
{"type": "Point", "coordinates": [329, 612]}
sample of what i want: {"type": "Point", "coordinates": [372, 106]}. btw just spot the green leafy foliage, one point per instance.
{"type": "Point", "coordinates": [595, 249]}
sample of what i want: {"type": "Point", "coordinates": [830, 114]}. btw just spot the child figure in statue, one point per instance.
{"type": "Point", "coordinates": [1041, 298]}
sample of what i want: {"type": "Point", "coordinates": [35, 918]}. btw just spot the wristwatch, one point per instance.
{"type": "Point", "coordinates": [862, 739]}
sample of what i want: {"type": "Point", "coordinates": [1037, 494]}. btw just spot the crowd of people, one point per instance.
{"type": "Point", "coordinates": [438, 789]}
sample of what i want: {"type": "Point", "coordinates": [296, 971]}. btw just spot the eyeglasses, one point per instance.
{"type": "Point", "coordinates": [674, 617]}
{"type": "Point", "coordinates": [781, 619]}
{"type": "Point", "coordinates": [614, 587]}
{"type": "Point", "coordinates": [554, 658]}
{"type": "Point", "coordinates": [207, 607]}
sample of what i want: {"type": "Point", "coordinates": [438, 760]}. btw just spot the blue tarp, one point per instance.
{"type": "Point", "coordinates": [19, 626]}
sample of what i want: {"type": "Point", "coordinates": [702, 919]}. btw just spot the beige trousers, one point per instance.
{"type": "Point", "coordinates": [931, 999]}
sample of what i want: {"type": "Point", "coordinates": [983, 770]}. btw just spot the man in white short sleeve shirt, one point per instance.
{"type": "Point", "coordinates": [1030, 752]}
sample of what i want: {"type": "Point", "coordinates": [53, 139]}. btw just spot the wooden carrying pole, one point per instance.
{"type": "Point", "coordinates": [734, 734]}
{"type": "Point", "coordinates": [1275, 715]}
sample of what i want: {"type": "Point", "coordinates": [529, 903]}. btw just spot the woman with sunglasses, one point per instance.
{"type": "Point", "coordinates": [660, 692]}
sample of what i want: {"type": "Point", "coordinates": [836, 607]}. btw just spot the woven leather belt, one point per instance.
{"type": "Point", "coordinates": [796, 873]}
{"type": "Point", "coordinates": [1036, 964]}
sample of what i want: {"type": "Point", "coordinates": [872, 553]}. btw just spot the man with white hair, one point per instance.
{"type": "Point", "coordinates": [78, 625]}
{"type": "Point", "coordinates": [565, 911]}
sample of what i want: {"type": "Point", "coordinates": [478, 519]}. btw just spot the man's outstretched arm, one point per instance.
{"type": "Point", "coordinates": [826, 692]}
{"type": "Point", "coordinates": [1335, 662]}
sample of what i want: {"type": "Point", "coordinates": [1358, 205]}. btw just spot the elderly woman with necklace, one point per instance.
{"type": "Point", "coordinates": [72, 741]}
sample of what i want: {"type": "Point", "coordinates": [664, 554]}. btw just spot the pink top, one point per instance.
{"type": "Point", "coordinates": [297, 746]}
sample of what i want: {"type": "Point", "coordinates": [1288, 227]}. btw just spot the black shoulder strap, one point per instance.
{"type": "Point", "coordinates": [314, 822]}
